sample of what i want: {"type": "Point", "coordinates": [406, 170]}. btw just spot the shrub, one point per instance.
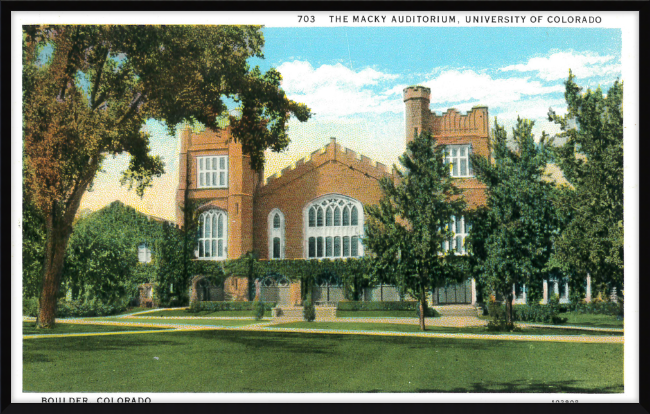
{"type": "Point", "coordinates": [207, 306]}
{"type": "Point", "coordinates": [379, 306]}
{"type": "Point", "coordinates": [30, 307]}
{"type": "Point", "coordinates": [309, 311]}
{"type": "Point", "coordinates": [501, 326]}
{"type": "Point", "coordinates": [597, 307]}
{"type": "Point", "coordinates": [428, 312]}
{"type": "Point", "coordinates": [259, 309]}
{"type": "Point", "coordinates": [73, 308]}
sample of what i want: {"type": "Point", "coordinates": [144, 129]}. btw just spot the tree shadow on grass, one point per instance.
{"type": "Point", "coordinates": [290, 343]}
{"type": "Point", "coordinates": [35, 357]}
{"type": "Point", "coordinates": [522, 386]}
{"type": "Point", "coordinates": [98, 343]}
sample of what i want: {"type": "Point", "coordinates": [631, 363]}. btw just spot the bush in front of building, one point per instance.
{"type": "Point", "coordinates": [73, 308]}
{"type": "Point", "coordinates": [378, 306]}
{"type": "Point", "coordinates": [208, 306]}
{"type": "Point", "coordinates": [597, 308]}
{"type": "Point", "coordinates": [260, 309]}
{"type": "Point", "coordinates": [309, 310]}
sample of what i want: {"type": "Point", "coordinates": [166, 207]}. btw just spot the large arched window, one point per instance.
{"type": "Point", "coordinates": [276, 234]}
{"type": "Point", "coordinates": [333, 227]}
{"type": "Point", "coordinates": [213, 235]}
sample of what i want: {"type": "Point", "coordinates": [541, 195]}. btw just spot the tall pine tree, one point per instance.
{"type": "Point", "coordinates": [592, 162]}
{"type": "Point", "coordinates": [406, 231]}
{"type": "Point", "coordinates": [512, 237]}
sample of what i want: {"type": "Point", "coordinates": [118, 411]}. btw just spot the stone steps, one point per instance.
{"type": "Point", "coordinates": [456, 310]}
{"type": "Point", "coordinates": [296, 312]}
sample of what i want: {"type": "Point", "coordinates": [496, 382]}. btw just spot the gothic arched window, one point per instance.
{"type": "Point", "coordinates": [333, 227]}
{"type": "Point", "coordinates": [276, 234]}
{"type": "Point", "coordinates": [213, 235]}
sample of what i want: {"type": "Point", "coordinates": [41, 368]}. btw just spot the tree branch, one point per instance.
{"type": "Point", "coordinates": [94, 104]}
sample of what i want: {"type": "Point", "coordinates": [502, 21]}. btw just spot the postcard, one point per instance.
{"type": "Point", "coordinates": [325, 206]}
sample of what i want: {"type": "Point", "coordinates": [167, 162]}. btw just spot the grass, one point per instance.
{"type": "Point", "coordinates": [228, 361]}
{"type": "Point", "coordinates": [181, 312]}
{"type": "Point", "coordinates": [154, 321]}
{"type": "Point", "coordinates": [29, 328]}
{"type": "Point", "coordinates": [595, 321]}
{"type": "Point", "coordinates": [396, 327]}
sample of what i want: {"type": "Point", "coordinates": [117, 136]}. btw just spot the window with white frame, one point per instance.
{"type": "Point", "coordinates": [212, 172]}
{"type": "Point", "coordinates": [333, 227]}
{"type": "Point", "coordinates": [213, 235]}
{"type": "Point", "coordinates": [276, 234]}
{"type": "Point", "coordinates": [144, 253]}
{"type": "Point", "coordinates": [460, 229]}
{"type": "Point", "coordinates": [458, 157]}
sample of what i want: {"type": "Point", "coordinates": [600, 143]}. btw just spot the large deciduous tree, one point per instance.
{"type": "Point", "coordinates": [512, 236]}
{"type": "Point", "coordinates": [87, 91]}
{"type": "Point", "coordinates": [592, 162]}
{"type": "Point", "coordinates": [406, 231]}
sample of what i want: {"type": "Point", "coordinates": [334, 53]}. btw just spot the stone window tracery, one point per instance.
{"type": "Point", "coordinates": [333, 227]}
{"type": "Point", "coordinates": [213, 235]}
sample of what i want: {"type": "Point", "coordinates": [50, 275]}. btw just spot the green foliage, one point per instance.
{"type": "Point", "coordinates": [597, 308]}
{"type": "Point", "coordinates": [33, 229]}
{"type": "Point", "coordinates": [227, 306]}
{"type": "Point", "coordinates": [102, 257]}
{"type": "Point", "coordinates": [260, 308]}
{"type": "Point", "coordinates": [102, 82]}
{"type": "Point", "coordinates": [512, 237]}
{"type": "Point", "coordinates": [592, 162]}
{"type": "Point", "coordinates": [309, 310]}
{"type": "Point", "coordinates": [30, 306]}
{"type": "Point", "coordinates": [379, 306]}
{"type": "Point", "coordinates": [78, 308]}
{"type": "Point", "coordinates": [533, 312]}
{"type": "Point", "coordinates": [406, 230]}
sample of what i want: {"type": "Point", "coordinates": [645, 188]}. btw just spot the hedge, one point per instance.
{"type": "Point", "coordinates": [379, 306]}
{"type": "Point", "coordinates": [226, 306]}
{"type": "Point", "coordinates": [66, 309]}
{"type": "Point", "coordinates": [598, 308]}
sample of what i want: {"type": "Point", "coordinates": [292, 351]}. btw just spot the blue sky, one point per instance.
{"type": "Point", "coordinates": [352, 78]}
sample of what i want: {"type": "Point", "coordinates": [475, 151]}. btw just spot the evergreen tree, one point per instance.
{"type": "Point", "coordinates": [406, 231]}
{"type": "Point", "coordinates": [512, 237]}
{"type": "Point", "coordinates": [592, 162]}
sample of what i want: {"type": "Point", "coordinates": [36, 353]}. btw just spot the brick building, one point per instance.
{"type": "Point", "coordinates": [313, 209]}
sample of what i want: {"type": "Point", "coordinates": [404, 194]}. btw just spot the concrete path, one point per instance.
{"type": "Point", "coordinates": [268, 327]}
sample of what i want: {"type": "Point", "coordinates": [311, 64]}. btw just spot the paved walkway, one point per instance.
{"type": "Point", "coordinates": [267, 326]}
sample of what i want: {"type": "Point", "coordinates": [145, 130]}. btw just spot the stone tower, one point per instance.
{"type": "Point", "coordinates": [416, 100]}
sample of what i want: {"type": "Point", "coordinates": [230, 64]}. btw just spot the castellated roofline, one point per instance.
{"type": "Point", "coordinates": [325, 154]}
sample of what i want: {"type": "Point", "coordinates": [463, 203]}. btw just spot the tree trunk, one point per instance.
{"type": "Point", "coordinates": [56, 240]}
{"type": "Point", "coordinates": [422, 308]}
{"type": "Point", "coordinates": [509, 299]}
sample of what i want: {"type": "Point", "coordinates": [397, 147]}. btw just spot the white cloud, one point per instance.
{"type": "Point", "coordinates": [463, 86]}
{"type": "Point", "coordinates": [557, 65]}
{"type": "Point", "coordinates": [337, 91]}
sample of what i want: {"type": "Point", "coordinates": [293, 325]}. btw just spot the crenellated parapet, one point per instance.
{"type": "Point", "coordinates": [453, 123]}
{"type": "Point", "coordinates": [331, 152]}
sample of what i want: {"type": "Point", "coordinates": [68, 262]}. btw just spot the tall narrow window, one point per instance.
{"type": "Point", "coordinates": [144, 254]}
{"type": "Point", "coordinates": [460, 230]}
{"type": "Point", "coordinates": [212, 172]}
{"type": "Point", "coordinates": [276, 234]}
{"type": "Point", "coordinates": [213, 235]}
{"type": "Point", "coordinates": [333, 227]}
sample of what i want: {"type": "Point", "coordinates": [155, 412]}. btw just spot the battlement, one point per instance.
{"type": "Point", "coordinates": [328, 153]}
{"type": "Point", "coordinates": [417, 92]}
{"type": "Point", "coordinates": [452, 122]}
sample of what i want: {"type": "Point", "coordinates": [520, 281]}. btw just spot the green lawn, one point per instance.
{"type": "Point", "coordinates": [182, 312]}
{"type": "Point", "coordinates": [596, 321]}
{"type": "Point", "coordinates": [218, 322]}
{"type": "Point", "coordinates": [228, 361]}
{"type": "Point", "coordinates": [396, 327]}
{"type": "Point", "coordinates": [29, 328]}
